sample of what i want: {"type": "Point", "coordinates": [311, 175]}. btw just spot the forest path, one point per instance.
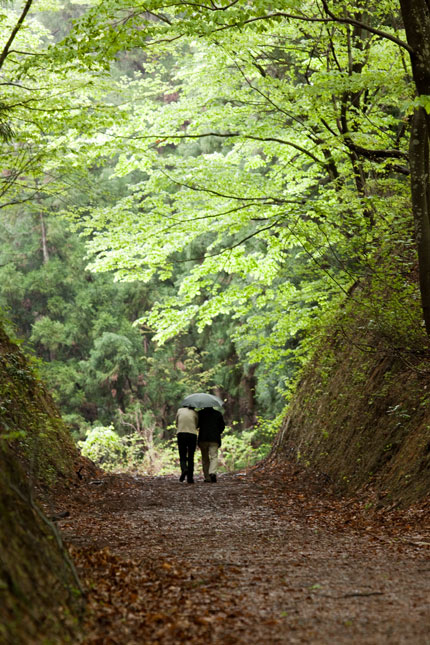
{"type": "Point", "coordinates": [259, 557]}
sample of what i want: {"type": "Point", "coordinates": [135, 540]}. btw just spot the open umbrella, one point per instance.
{"type": "Point", "coordinates": [202, 400]}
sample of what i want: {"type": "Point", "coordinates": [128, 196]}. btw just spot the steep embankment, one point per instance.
{"type": "Point", "coordinates": [40, 595]}
{"type": "Point", "coordinates": [361, 412]}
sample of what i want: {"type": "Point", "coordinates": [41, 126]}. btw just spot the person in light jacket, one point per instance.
{"type": "Point", "coordinates": [186, 432]}
{"type": "Point", "coordinates": [211, 425]}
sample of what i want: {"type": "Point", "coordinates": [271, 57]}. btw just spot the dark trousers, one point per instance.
{"type": "Point", "coordinates": [187, 446]}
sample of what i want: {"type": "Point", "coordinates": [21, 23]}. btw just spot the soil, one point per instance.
{"type": "Point", "coordinates": [265, 556]}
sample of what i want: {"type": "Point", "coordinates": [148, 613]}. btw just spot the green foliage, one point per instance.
{"type": "Point", "coordinates": [238, 451]}
{"type": "Point", "coordinates": [136, 452]}
{"type": "Point", "coordinates": [98, 363]}
{"type": "Point", "coordinates": [103, 446]}
{"type": "Point", "coordinates": [264, 195]}
{"type": "Point", "coordinates": [159, 458]}
{"type": "Point", "coordinates": [239, 170]}
{"type": "Point", "coordinates": [46, 137]}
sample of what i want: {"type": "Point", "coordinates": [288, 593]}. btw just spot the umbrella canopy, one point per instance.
{"type": "Point", "coordinates": [202, 400]}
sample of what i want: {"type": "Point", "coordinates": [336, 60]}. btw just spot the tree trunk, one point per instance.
{"type": "Point", "coordinates": [44, 240]}
{"type": "Point", "coordinates": [420, 192]}
{"type": "Point", "coordinates": [248, 384]}
{"type": "Point", "coordinates": [416, 18]}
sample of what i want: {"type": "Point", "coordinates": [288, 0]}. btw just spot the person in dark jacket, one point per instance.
{"type": "Point", "coordinates": [211, 426]}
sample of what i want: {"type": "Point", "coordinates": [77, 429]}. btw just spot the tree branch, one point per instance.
{"type": "Point", "coordinates": [346, 21]}
{"type": "Point", "coordinates": [205, 7]}
{"type": "Point", "coordinates": [14, 32]}
{"type": "Point", "coordinates": [371, 30]}
{"type": "Point", "coordinates": [265, 200]}
{"type": "Point", "coordinates": [229, 248]}
{"type": "Point", "coordinates": [375, 154]}
{"type": "Point", "coordinates": [227, 135]}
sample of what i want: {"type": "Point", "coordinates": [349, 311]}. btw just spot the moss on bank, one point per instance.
{"type": "Point", "coordinates": [40, 595]}
{"type": "Point", "coordinates": [30, 422]}
{"type": "Point", "coordinates": [40, 600]}
{"type": "Point", "coordinates": [361, 412]}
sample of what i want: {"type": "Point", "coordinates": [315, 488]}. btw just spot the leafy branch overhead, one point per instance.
{"type": "Point", "coordinates": [273, 139]}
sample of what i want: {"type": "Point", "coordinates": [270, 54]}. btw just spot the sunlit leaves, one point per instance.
{"type": "Point", "coordinates": [244, 142]}
{"type": "Point", "coordinates": [52, 116]}
{"type": "Point", "coordinates": [249, 140]}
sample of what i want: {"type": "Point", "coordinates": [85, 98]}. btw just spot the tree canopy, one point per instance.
{"type": "Point", "coordinates": [249, 165]}
{"type": "Point", "coordinates": [277, 141]}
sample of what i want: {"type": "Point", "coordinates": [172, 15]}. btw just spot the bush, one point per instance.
{"type": "Point", "coordinates": [106, 448]}
{"type": "Point", "coordinates": [103, 446]}
{"type": "Point", "coordinates": [237, 451]}
{"type": "Point", "coordinates": [160, 458]}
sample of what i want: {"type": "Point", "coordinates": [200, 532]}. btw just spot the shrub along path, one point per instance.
{"type": "Point", "coordinates": [267, 556]}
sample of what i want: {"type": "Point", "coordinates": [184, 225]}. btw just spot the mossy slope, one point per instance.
{"type": "Point", "coordinates": [39, 594]}
{"type": "Point", "coordinates": [361, 413]}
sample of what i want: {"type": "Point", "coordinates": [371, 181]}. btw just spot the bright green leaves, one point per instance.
{"type": "Point", "coordinates": [424, 101]}
{"type": "Point", "coordinates": [251, 181]}
{"type": "Point", "coordinates": [51, 112]}
{"type": "Point", "coordinates": [260, 154]}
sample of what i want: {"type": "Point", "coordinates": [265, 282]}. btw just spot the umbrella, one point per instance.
{"type": "Point", "coordinates": [202, 400]}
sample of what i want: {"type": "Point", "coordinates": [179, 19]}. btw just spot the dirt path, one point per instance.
{"type": "Point", "coordinates": [261, 557]}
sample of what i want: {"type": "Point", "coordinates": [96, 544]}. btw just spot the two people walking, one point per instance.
{"type": "Point", "coordinates": [203, 428]}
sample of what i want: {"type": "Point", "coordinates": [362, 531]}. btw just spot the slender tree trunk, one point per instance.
{"type": "Point", "coordinates": [248, 384]}
{"type": "Point", "coordinates": [420, 191]}
{"type": "Point", "coordinates": [416, 18]}
{"type": "Point", "coordinates": [44, 240]}
{"type": "Point", "coordinates": [352, 102]}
